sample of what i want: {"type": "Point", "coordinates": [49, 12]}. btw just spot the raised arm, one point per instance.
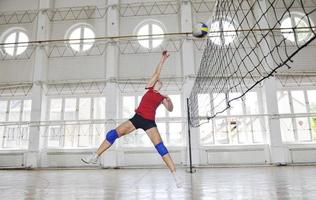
{"type": "Point", "coordinates": [168, 104]}
{"type": "Point", "coordinates": [156, 74]}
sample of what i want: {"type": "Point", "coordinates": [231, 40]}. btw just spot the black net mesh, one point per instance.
{"type": "Point", "coordinates": [248, 42]}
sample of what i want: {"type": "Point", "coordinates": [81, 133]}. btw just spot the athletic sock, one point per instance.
{"type": "Point", "coordinates": [177, 179]}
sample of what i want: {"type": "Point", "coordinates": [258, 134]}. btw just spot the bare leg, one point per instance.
{"type": "Point", "coordinates": [123, 129]}
{"type": "Point", "coordinates": [156, 139]}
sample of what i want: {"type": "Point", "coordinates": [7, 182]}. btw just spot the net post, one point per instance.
{"type": "Point", "coordinates": [189, 138]}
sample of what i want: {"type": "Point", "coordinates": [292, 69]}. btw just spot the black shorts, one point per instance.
{"type": "Point", "coordinates": [140, 122]}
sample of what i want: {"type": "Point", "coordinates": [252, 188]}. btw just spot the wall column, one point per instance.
{"type": "Point", "coordinates": [110, 158]}
{"type": "Point", "coordinates": [278, 151]}
{"type": "Point", "coordinates": [33, 156]}
{"type": "Point", "coordinates": [188, 65]}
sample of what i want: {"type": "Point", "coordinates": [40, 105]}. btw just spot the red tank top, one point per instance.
{"type": "Point", "coordinates": [149, 104]}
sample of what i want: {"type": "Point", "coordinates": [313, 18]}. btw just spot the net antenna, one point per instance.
{"type": "Point", "coordinates": [249, 41]}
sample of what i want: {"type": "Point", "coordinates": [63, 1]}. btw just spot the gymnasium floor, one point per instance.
{"type": "Point", "coordinates": [207, 183]}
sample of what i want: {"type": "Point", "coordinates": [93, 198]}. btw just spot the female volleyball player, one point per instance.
{"type": "Point", "coordinates": [144, 118]}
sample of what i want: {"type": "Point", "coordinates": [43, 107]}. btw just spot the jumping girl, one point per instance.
{"type": "Point", "coordinates": [144, 118]}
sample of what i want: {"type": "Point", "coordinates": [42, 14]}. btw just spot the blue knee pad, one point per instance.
{"type": "Point", "coordinates": [111, 136]}
{"type": "Point", "coordinates": [162, 150]}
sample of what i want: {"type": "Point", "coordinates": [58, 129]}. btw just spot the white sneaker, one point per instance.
{"type": "Point", "coordinates": [91, 159]}
{"type": "Point", "coordinates": [177, 179]}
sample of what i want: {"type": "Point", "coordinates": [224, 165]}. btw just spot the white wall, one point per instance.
{"type": "Point", "coordinates": [15, 5]}
{"type": "Point", "coordinates": [142, 65]}
{"type": "Point", "coordinates": [17, 70]}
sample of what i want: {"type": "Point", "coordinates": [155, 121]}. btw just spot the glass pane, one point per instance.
{"type": "Point", "coordinates": [142, 139]}
{"type": "Point", "coordinates": [204, 104]}
{"type": "Point", "coordinates": [252, 105]}
{"type": "Point", "coordinates": [233, 130]}
{"type": "Point", "coordinates": [161, 111]}
{"type": "Point", "coordinates": [74, 36]}
{"type": "Point", "coordinates": [99, 108]}
{"type": "Point", "coordinates": [244, 127]}
{"type": "Point", "coordinates": [54, 136]}
{"type": "Point", "coordinates": [157, 40]}
{"type": "Point", "coordinates": [24, 136]}
{"type": "Point", "coordinates": [236, 105]}
{"type": "Point", "coordinates": [84, 108]}
{"type": "Point", "coordinates": [11, 138]}
{"type": "Point", "coordinates": [84, 135]}
{"type": "Point", "coordinates": [3, 110]}
{"type": "Point", "coordinates": [55, 109]}
{"type": "Point", "coordinates": [176, 100]}
{"type": "Point", "coordinates": [215, 34]}
{"type": "Point", "coordinates": [70, 109]}
{"type": "Point", "coordinates": [143, 40]}
{"type": "Point", "coordinates": [128, 140]}
{"type": "Point", "coordinates": [283, 102]}
{"type": "Point", "coordinates": [22, 37]}
{"type": "Point", "coordinates": [313, 127]}
{"type": "Point", "coordinates": [303, 130]}
{"type": "Point", "coordinates": [175, 134]}
{"type": "Point", "coordinates": [98, 134]}
{"type": "Point", "coordinates": [258, 130]}
{"type": "Point", "coordinates": [128, 106]}
{"type": "Point", "coordinates": [219, 101]}
{"type": "Point", "coordinates": [27, 104]}
{"type": "Point", "coordinates": [2, 134]}
{"type": "Point", "coordinates": [15, 110]}
{"type": "Point", "coordinates": [312, 100]}
{"type": "Point", "coordinates": [88, 33]}
{"type": "Point", "coordinates": [221, 131]}
{"type": "Point", "coordinates": [286, 29]}
{"type": "Point", "coordinates": [298, 99]}
{"type": "Point", "coordinates": [228, 32]}
{"type": "Point", "coordinates": [139, 99]}
{"type": "Point", "coordinates": [303, 32]}
{"type": "Point", "coordinates": [9, 48]}
{"type": "Point", "coordinates": [287, 130]}
{"type": "Point", "coordinates": [71, 131]}
{"type": "Point", "coordinates": [163, 132]}
{"type": "Point", "coordinates": [206, 134]}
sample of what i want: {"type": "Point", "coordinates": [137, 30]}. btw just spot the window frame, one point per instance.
{"type": "Point", "coordinates": [222, 36]}
{"type": "Point", "coordinates": [82, 39]}
{"type": "Point", "coordinates": [21, 125]}
{"type": "Point", "coordinates": [150, 36]}
{"type": "Point", "coordinates": [293, 116]}
{"type": "Point", "coordinates": [77, 123]}
{"type": "Point", "coordinates": [292, 16]}
{"type": "Point", "coordinates": [228, 117]}
{"type": "Point", "coordinates": [6, 34]}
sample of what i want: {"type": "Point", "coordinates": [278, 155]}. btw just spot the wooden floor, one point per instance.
{"type": "Point", "coordinates": [208, 183]}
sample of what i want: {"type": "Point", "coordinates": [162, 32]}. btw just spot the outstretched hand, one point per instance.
{"type": "Point", "coordinates": [165, 55]}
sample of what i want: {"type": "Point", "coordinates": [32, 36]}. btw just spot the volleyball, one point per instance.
{"type": "Point", "coordinates": [200, 30]}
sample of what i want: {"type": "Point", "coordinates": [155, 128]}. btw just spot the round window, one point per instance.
{"type": "Point", "coordinates": [81, 38]}
{"type": "Point", "coordinates": [222, 32]}
{"type": "Point", "coordinates": [150, 34]}
{"type": "Point", "coordinates": [16, 42]}
{"type": "Point", "coordinates": [296, 28]}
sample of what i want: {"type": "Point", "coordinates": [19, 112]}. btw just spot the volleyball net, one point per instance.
{"type": "Point", "coordinates": [248, 42]}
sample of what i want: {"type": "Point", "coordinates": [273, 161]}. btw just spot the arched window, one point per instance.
{"type": "Point", "coordinates": [300, 23]}
{"type": "Point", "coordinates": [81, 37]}
{"type": "Point", "coordinates": [222, 32]}
{"type": "Point", "coordinates": [17, 41]}
{"type": "Point", "coordinates": [149, 34]}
